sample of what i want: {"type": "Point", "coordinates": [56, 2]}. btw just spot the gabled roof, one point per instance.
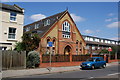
{"type": "Point", "coordinates": [14, 7]}
{"type": "Point", "coordinates": [43, 29]}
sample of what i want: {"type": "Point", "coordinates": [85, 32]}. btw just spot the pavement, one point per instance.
{"type": "Point", "coordinates": [0, 75]}
{"type": "Point", "coordinates": [25, 72]}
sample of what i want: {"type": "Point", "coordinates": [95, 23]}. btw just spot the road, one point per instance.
{"type": "Point", "coordinates": [108, 72]}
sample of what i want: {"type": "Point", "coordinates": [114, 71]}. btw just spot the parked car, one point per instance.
{"type": "Point", "coordinates": [94, 62]}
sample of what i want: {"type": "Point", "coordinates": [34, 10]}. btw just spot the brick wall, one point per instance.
{"type": "Point", "coordinates": [61, 64]}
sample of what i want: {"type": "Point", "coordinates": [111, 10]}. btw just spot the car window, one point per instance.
{"type": "Point", "coordinates": [90, 59]}
{"type": "Point", "coordinates": [98, 59]}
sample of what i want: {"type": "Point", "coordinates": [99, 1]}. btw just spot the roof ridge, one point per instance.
{"type": "Point", "coordinates": [46, 18]}
{"type": "Point", "coordinates": [11, 7]}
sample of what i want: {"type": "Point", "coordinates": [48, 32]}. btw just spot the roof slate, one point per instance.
{"type": "Point", "coordinates": [11, 7]}
{"type": "Point", "coordinates": [43, 29]}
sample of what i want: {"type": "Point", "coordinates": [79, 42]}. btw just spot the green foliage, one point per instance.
{"type": "Point", "coordinates": [104, 51]}
{"type": "Point", "coordinates": [29, 42]}
{"type": "Point", "coordinates": [33, 59]}
{"type": "Point", "coordinates": [115, 49]}
{"type": "Point", "coordinates": [19, 46]}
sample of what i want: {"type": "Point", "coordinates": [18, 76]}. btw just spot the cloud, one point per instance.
{"type": "Point", "coordinates": [111, 19]}
{"type": "Point", "coordinates": [88, 31]}
{"type": "Point", "coordinates": [113, 25]}
{"type": "Point", "coordinates": [111, 14]}
{"type": "Point", "coordinates": [77, 18]}
{"type": "Point", "coordinates": [37, 17]}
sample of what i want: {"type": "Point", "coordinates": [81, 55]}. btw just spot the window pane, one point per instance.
{"type": "Point", "coordinates": [12, 32]}
{"type": "Point", "coordinates": [12, 14]}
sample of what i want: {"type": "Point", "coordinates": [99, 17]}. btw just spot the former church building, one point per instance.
{"type": "Point", "coordinates": [62, 31]}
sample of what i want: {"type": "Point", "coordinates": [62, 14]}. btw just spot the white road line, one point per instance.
{"type": "Point", "coordinates": [91, 77]}
{"type": "Point", "coordinates": [113, 74]}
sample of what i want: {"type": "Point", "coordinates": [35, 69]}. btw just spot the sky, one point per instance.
{"type": "Point", "coordinates": [99, 19]}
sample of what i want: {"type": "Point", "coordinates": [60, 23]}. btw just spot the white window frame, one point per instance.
{"type": "Point", "coordinates": [36, 26]}
{"type": "Point", "coordinates": [11, 16]}
{"type": "Point", "coordinates": [10, 38]}
{"type": "Point", "coordinates": [47, 22]}
{"type": "Point", "coordinates": [66, 26]}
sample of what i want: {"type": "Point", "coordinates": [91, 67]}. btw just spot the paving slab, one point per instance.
{"type": "Point", "coordinates": [23, 72]}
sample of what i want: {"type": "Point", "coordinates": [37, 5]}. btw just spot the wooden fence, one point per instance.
{"type": "Point", "coordinates": [13, 60]}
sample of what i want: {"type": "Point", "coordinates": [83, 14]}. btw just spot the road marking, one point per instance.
{"type": "Point", "coordinates": [113, 74]}
{"type": "Point", "coordinates": [91, 77]}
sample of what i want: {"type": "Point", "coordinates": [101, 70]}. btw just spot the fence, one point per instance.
{"type": "Point", "coordinates": [118, 56]}
{"type": "Point", "coordinates": [66, 58]}
{"type": "Point", "coordinates": [13, 60]}
{"type": "Point", "coordinates": [55, 58]}
{"type": "Point", "coordinates": [80, 57]}
{"type": "Point", "coordinates": [112, 57]}
{"type": "Point", "coordinates": [98, 56]}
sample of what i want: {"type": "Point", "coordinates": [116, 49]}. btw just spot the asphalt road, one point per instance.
{"type": "Point", "coordinates": [108, 72]}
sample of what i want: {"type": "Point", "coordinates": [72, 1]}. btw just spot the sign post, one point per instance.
{"type": "Point", "coordinates": [50, 44]}
{"type": "Point", "coordinates": [109, 49]}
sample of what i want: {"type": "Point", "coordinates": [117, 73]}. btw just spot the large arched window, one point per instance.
{"type": "Point", "coordinates": [66, 29]}
{"type": "Point", "coordinates": [66, 26]}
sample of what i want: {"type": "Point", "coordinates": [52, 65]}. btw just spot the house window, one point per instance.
{"type": "Point", "coordinates": [13, 16]}
{"type": "Point", "coordinates": [102, 41]}
{"type": "Point", "coordinates": [36, 26]}
{"type": "Point", "coordinates": [27, 29]}
{"type": "Point", "coordinates": [47, 22]}
{"type": "Point", "coordinates": [12, 33]}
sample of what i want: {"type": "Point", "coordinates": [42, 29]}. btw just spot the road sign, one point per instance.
{"type": "Point", "coordinates": [50, 44]}
{"type": "Point", "coordinates": [109, 49]}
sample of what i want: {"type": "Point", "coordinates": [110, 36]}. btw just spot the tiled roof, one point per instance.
{"type": "Point", "coordinates": [11, 7]}
{"type": "Point", "coordinates": [43, 29]}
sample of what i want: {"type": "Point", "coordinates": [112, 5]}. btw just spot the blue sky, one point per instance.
{"type": "Point", "coordinates": [92, 18]}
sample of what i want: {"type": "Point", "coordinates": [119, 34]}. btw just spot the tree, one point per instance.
{"type": "Point", "coordinates": [104, 51]}
{"type": "Point", "coordinates": [30, 42]}
{"type": "Point", "coordinates": [114, 49]}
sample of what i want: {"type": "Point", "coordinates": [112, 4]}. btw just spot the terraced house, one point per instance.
{"type": "Point", "coordinates": [62, 31]}
{"type": "Point", "coordinates": [11, 25]}
{"type": "Point", "coordinates": [96, 44]}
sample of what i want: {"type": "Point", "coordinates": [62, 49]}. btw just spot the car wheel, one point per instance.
{"type": "Point", "coordinates": [82, 68]}
{"type": "Point", "coordinates": [93, 67]}
{"type": "Point", "coordinates": [104, 66]}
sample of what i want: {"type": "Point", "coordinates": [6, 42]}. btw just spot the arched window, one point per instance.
{"type": "Point", "coordinates": [48, 40]}
{"type": "Point", "coordinates": [66, 30]}
{"type": "Point", "coordinates": [66, 26]}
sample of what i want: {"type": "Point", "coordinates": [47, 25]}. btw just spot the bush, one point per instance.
{"type": "Point", "coordinates": [33, 59]}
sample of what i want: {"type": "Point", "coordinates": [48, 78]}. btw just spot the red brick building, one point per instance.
{"type": "Point", "coordinates": [62, 31]}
